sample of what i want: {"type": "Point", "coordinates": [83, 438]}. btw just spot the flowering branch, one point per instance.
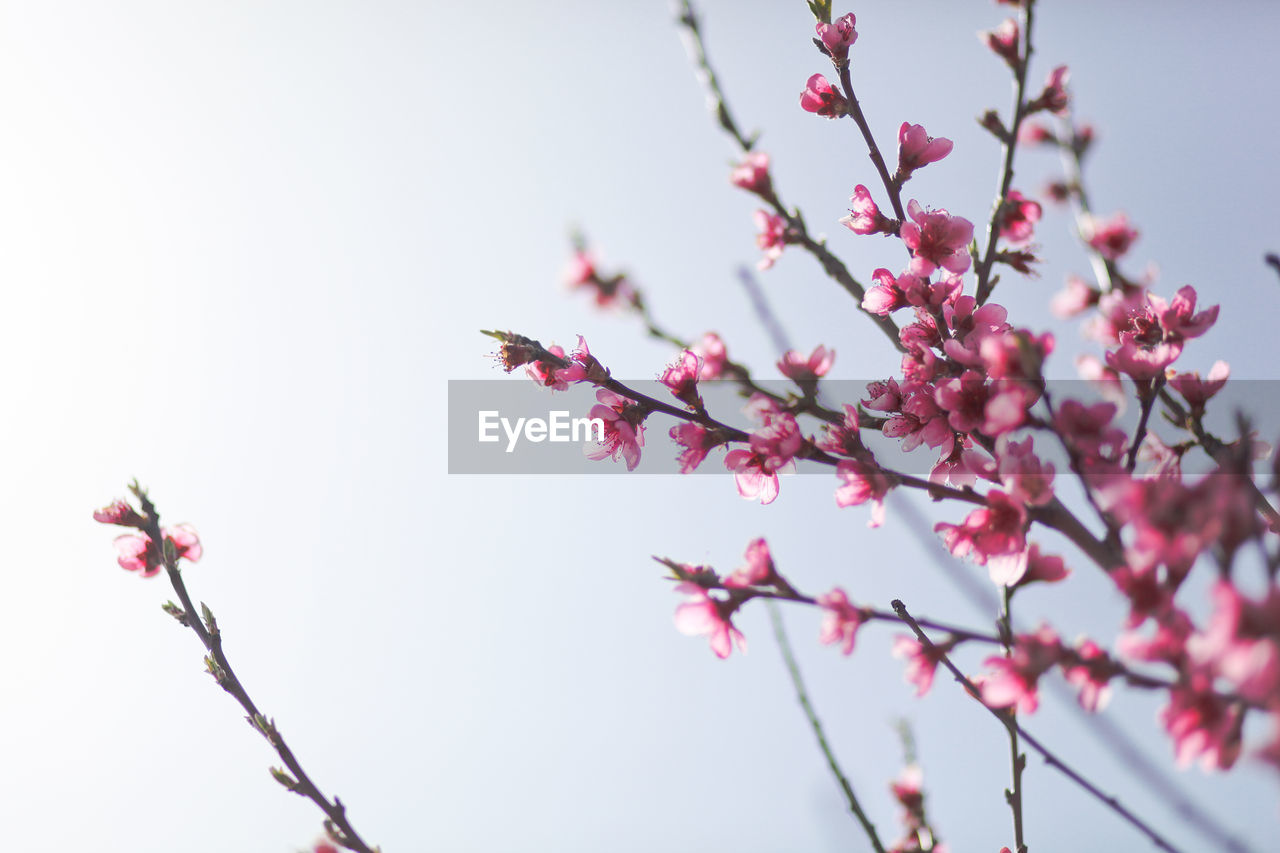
{"type": "Point", "coordinates": [795, 226]}
{"type": "Point", "coordinates": [293, 777]}
{"type": "Point", "coordinates": [1007, 720]}
{"type": "Point", "coordinates": [802, 696]}
{"type": "Point", "coordinates": [1009, 142]}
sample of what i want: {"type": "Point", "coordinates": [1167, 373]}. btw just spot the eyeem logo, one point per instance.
{"type": "Point", "coordinates": [558, 427]}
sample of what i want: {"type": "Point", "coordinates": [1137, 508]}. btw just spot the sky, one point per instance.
{"type": "Point", "coordinates": [246, 247]}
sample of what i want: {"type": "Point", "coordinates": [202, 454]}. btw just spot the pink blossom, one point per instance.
{"type": "Point", "coordinates": [697, 442]}
{"type": "Point", "coordinates": [1178, 318]}
{"type": "Point", "coordinates": [922, 663]}
{"type": "Point", "coordinates": [1003, 41]}
{"type": "Point", "coordinates": [120, 512]}
{"type": "Point", "coordinates": [752, 174]}
{"type": "Point", "coordinates": [137, 553]}
{"type": "Point", "coordinates": [713, 354]}
{"type": "Point", "coordinates": [837, 37]}
{"type": "Point", "coordinates": [1091, 670]}
{"type": "Point", "coordinates": [997, 531]}
{"type": "Point", "coordinates": [864, 217]}
{"type": "Point", "coordinates": [841, 620]}
{"type": "Point", "coordinates": [1045, 568]}
{"type": "Point", "coordinates": [759, 570]}
{"type": "Point", "coordinates": [545, 373]}
{"type": "Point", "coordinates": [1018, 216]}
{"type": "Point", "coordinates": [1035, 133]}
{"type": "Point", "coordinates": [883, 396]}
{"type": "Point", "coordinates": [936, 239]}
{"type": "Point", "coordinates": [582, 271]}
{"type": "Point", "coordinates": [1241, 642]}
{"type": "Point", "coordinates": [583, 367]}
{"type": "Point", "coordinates": [772, 238]}
{"type": "Point", "coordinates": [1197, 391]}
{"type": "Point", "coordinates": [917, 149]}
{"type": "Point", "coordinates": [1148, 598]}
{"type": "Point", "coordinates": [762, 408]}
{"type": "Point", "coordinates": [863, 481]}
{"type": "Point", "coordinates": [1027, 478]}
{"type": "Point", "coordinates": [885, 297]}
{"type": "Point", "coordinates": [1054, 98]}
{"type": "Point", "coordinates": [1203, 725]}
{"type": "Point", "coordinates": [820, 97]}
{"type": "Point", "coordinates": [1013, 684]}
{"type": "Point", "coordinates": [844, 439]}
{"type": "Point", "coordinates": [623, 429]}
{"type": "Point", "coordinates": [1088, 428]}
{"type": "Point", "coordinates": [1110, 238]}
{"type": "Point", "coordinates": [778, 441]}
{"type": "Point", "coordinates": [681, 378]}
{"type": "Point", "coordinates": [1075, 299]}
{"type": "Point", "coordinates": [705, 616]}
{"type": "Point", "coordinates": [755, 478]}
{"type": "Point", "coordinates": [800, 368]}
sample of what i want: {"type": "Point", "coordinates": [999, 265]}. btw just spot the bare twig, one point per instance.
{"type": "Point", "coordinates": [206, 628]}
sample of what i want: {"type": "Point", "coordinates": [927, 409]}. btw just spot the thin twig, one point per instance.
{"type": "Point", "coordinates": [206, 628]}
{"type": "Point", "coordinates": [833, 266]}
{"type": "Point", "coordinates": [802, 695]}
{"type": "Point", "coordinates": [1010, 143]}
{"type": "Point", "coordinates": [1052, 760]}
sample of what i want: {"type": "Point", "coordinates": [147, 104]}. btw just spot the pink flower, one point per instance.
{"type": "Point", "coordinates": [916, 149]}
{"type": "Point", "coordinates": [1110, 238]}
{"type": "Point", "coordinates": [681, 378]}
{"type": "Point", "coordinates": [1077, 298]}
{"type": "Point", "coordinates": [623, 429]}
{"type": "Point", "coordinates": [1028, 479]}
{"type": "Point", "coordinates": [752, 174]}
{"type": "Point", "coordinates": [1091, 670]}
{"type": "Point", "coordinates": [759, 570]}
{"type": "Point", "coordinates": [1042, 567]}
{"type": "Point", "coordinates": [885, 297]}
{"type": "Point", "coordinates": [1197, 391]}
{"type": "Point", "coordinates": [1035, 133]}
{"type": "Point", "coordinates": [581, 271]}
{"type": "Point", "coordinates": [820, 97]}
{"type": "Point", "coordinates": [936, 239]}
{"type": "Point", "coordinates": [713, 354]}
{"type": "Point", "coordinates": [922, 663]}
{"type": "Point", "coordinates": [836, 38]}
{"type": "Point", "coordinates": [844, 439]}
{"type": "Point", "coordinates": [1178, 318]}
{"type": "Point", "coordinates": [841, 621]}
{"type": "Point", "coordinates": [863, 481]}
{"type": "Point", "coordinates": [1203, 725]}
{"type": "Point", "coordinates": [778, 441]}
{"type": "Point", "coordinates": [137, 553]}
{"type": "Point", "coordinates": [796, 366]}
{"type": "Point", "coordinates": [753, 481]}
{"type": "Point", "coordinates": [1054, 97]}
{"type": "Point", "coordinates": [697, 442]}
{"type": "Point", "coordinates": [1018, 216]}
{"type": "Point", "coordinates": [704, 616]}
{"type": "Point", "coordinates": [772, 238]}
{"type": "Point", "coordinates": [583, 367]}
{"type": "Point", "coordinates": [1013, 684]}
{"type": "Point", "coordinates": [1003, 41]}
{"type": "Point", "coordinates": [864, 217]}
{"type": "Point", "coordinates": [997, 531]}
{"type": "Point", "coordinates": [120, 512]}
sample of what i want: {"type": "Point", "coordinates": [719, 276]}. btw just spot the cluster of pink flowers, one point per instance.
{"type": "Point", "coordinates": [971, 388]}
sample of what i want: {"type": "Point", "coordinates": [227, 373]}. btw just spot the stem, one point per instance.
{"type": "Point", "coordinates": [335, 812]}
{"type": "Point", "coordinates": [1052, 760]}
{"type": "Point", "coordinates": [832, 265]}
{"type": "Point", "coordinates": [1010, 144]}
{"type": "Point", "coordinates": [797, 681]}
{"type": "Point", "coordinates": [1017, 760]}
{"type": "Point", "coordinates": [1146, 399]}
{"type": "Point", "coordinates": [855, 112]}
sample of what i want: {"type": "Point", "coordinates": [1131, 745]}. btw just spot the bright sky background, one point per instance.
{"type": "Point", "coordinates": [245, 245]}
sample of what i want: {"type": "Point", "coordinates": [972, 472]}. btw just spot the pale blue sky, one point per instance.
{"type": "Point", "coordinates": [247, 244]}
